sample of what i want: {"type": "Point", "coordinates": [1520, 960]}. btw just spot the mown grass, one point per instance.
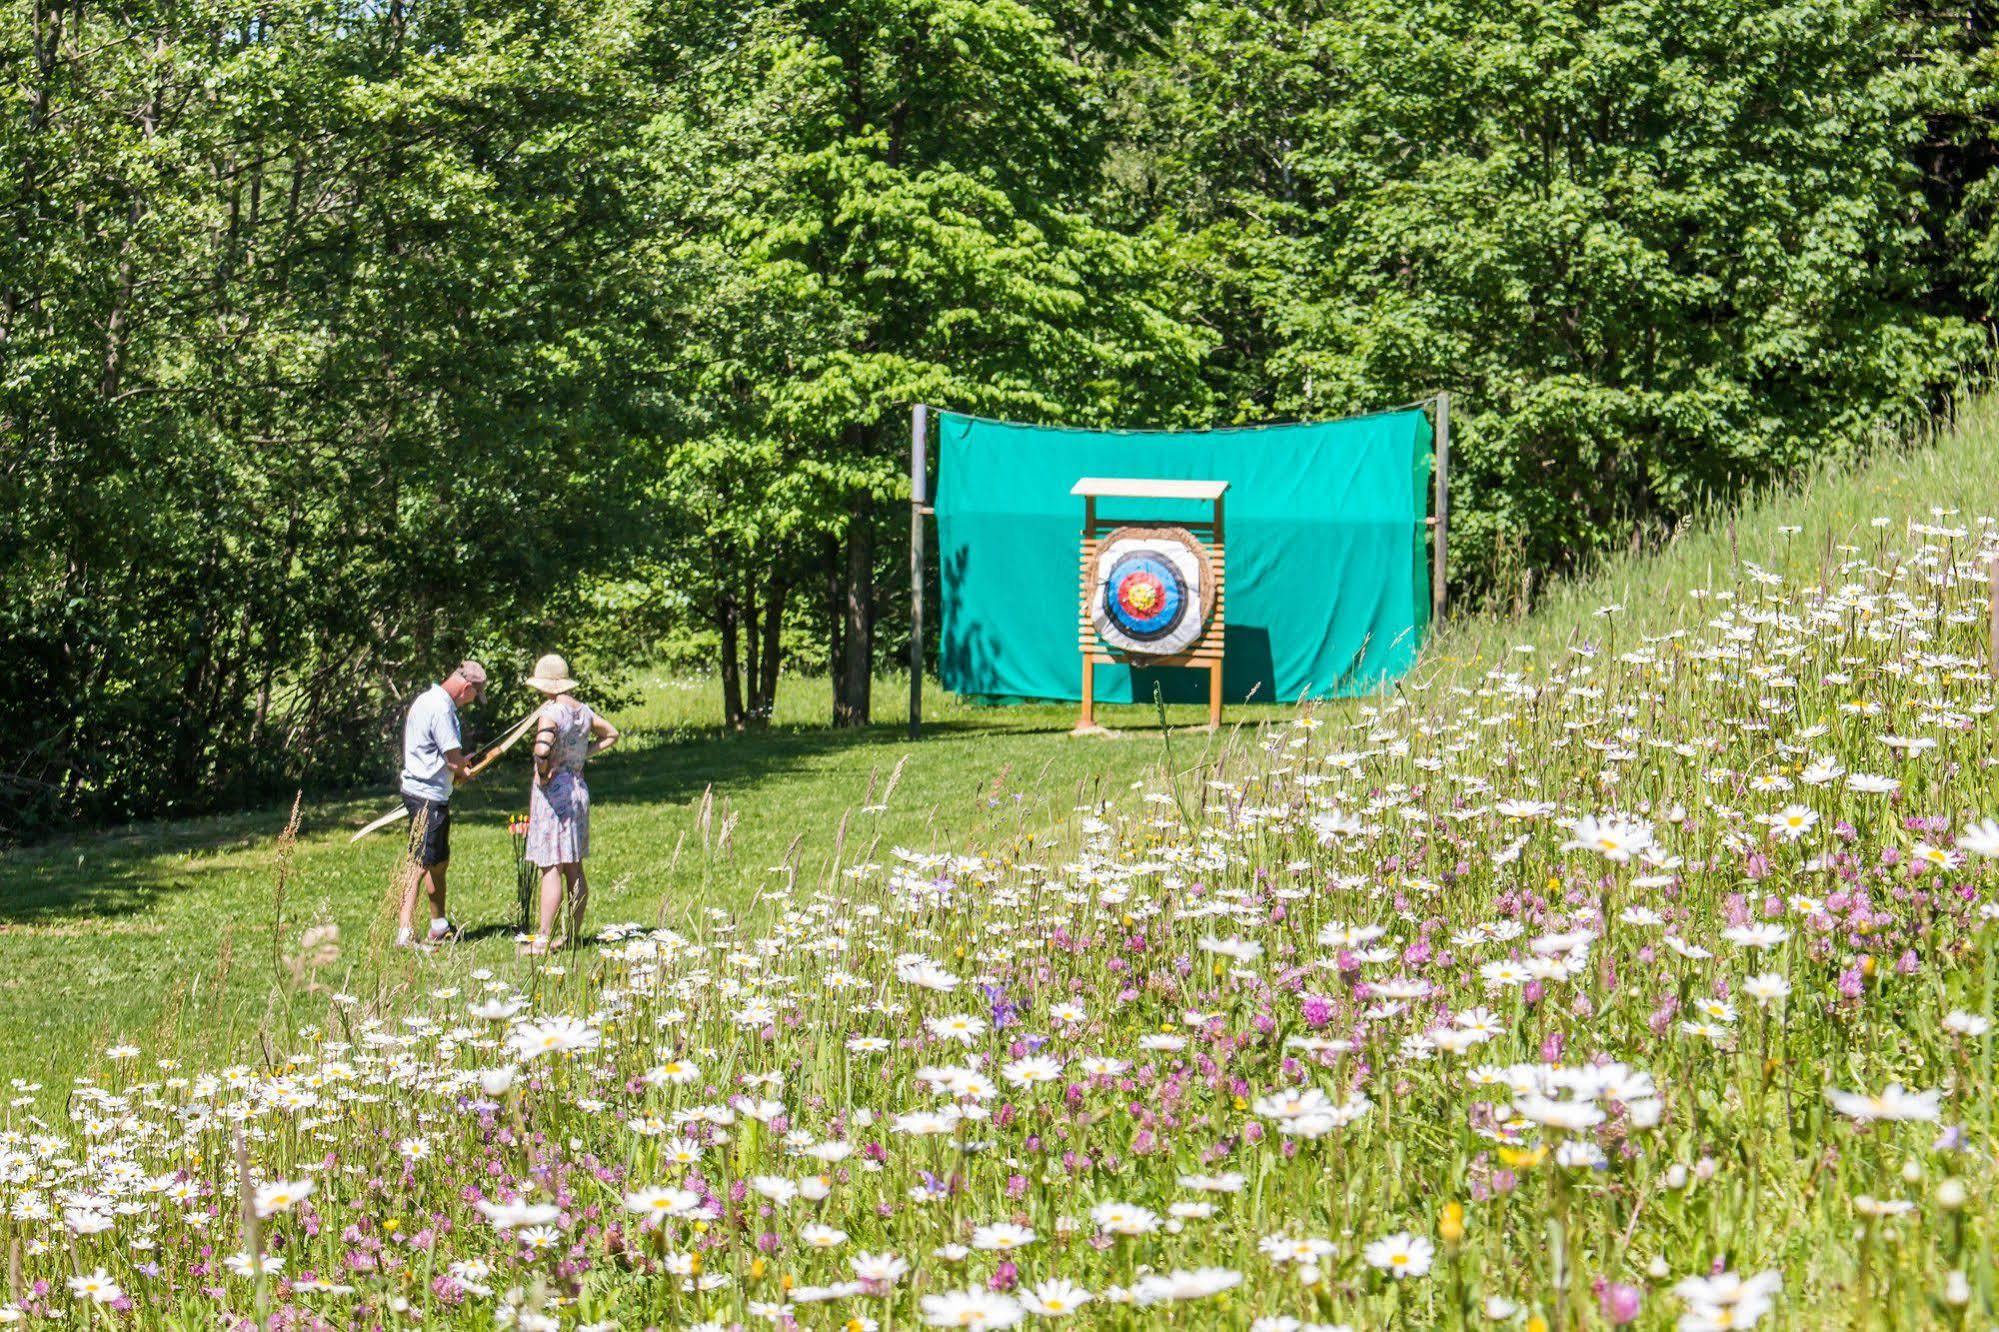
{"type": "Point", "coordinates": [173, 934]}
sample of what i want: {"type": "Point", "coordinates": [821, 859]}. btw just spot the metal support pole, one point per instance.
{"type": "Point", "coordinates": [919, 439]}
{"type": "Point", "coordinates": [1443, 507]}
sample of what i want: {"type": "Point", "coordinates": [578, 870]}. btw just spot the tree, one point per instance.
{"type": "Point", "coordinates": [894, 219]}
{"type": "Point", "coordinates": [310, 318]}
{"type": "Point", "coordinates": [339, 339]}
{"type": "Point", "coordinates": [1662, 249]}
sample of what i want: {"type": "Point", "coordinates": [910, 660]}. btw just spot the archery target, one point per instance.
{"type": "Point", "coordinates": [1153, 591]}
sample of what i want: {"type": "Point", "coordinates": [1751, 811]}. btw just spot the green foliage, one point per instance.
{"type": "Point", "coordinates": [314, 323]}
{"type": "Point", "coordinates": [1661, 249]}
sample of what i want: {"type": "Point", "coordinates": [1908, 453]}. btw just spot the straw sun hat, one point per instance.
{"type": "Point", "coordinates": [551, 676]}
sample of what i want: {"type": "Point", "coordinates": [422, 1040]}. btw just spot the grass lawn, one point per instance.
{"type": "Point", "coordinates": [173, 935]}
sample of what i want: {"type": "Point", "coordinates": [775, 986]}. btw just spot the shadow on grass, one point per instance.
{"type": "Point", "coordinates": [678, 771]}
{"type": "Point", "coordinates": [97, 875]}
{"type": "Point", "coordinates": [499, 929]}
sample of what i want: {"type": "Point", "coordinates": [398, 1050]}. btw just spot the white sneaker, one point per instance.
{"type": "Point", "coordinates": [403, 939]}
{"type": "Point", "coordinates": [441, 927]}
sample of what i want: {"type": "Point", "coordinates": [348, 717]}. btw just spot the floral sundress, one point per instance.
{"type": "Point", "coordinates": [559, 809]}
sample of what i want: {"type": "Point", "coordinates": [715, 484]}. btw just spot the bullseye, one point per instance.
{"type": "Point", "coordinates": [1141, 594]}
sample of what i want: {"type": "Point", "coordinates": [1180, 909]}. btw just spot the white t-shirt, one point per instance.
{"type": "Point", "coordinates": [429, 731]}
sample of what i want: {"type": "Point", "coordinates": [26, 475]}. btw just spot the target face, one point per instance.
{"type": "Point", "coordinates": [1152, 591]}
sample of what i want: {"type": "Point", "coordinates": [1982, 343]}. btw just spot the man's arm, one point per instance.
{"type": "Point", "coordinates": [453, 747]}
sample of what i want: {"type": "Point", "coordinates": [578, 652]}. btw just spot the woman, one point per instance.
{"type": "Point", "coordinates": [567, 734]}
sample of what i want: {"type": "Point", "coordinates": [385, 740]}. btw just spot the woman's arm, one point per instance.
{"type": "Point", "coordinates": [607, 734]}
{"type": "Point", "coordinates": [544, 747]}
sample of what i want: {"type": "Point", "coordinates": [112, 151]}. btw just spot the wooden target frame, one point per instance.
{"type": "Point", "coordinates": [1205, 653]}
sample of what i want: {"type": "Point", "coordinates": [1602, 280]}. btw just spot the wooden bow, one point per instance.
{"type": "Point", "coordinates": [503, 744]}
{"type": "Point", "coordinates": [489, 754]}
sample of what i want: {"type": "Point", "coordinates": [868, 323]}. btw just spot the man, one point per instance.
{"type": "Point", "coordinates": [433, 759]}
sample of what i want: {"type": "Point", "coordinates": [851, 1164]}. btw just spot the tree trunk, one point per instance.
{"type": "Point", "coordinates": [752, 652]}
{"type": "Point", "coordinates": [850, 702]}
{"type": "Point", "coordinates": [732, 679]}
{"type": "Point", "coordinates": [773, 627]}
{"type": "Point", "coordinates": [116, 334]}
{"type": "Point", "coordinates": [835, 602]}
{"type": "Point", "coordinates": [46, 39]}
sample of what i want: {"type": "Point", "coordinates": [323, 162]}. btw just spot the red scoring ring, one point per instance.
{"type": "Point", "coordinates": [1148, 580]}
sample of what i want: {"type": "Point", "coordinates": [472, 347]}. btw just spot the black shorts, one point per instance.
{"type": "Point", "coordinates": [430, 830]}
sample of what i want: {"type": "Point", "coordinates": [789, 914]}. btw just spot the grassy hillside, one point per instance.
{"type": "Point", "coordinates": [1795, 531]}
{"type": "Point", "coordinates": [1651, 987]}
{"type": "Point", "coordinates": [176, 933]}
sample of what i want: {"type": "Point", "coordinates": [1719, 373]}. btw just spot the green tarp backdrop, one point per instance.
{"type": "Point", "coordinates": [1328, 568]}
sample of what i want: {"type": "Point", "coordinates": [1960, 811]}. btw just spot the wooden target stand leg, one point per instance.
{"type": "Point", "coordinates": [1087, 723]}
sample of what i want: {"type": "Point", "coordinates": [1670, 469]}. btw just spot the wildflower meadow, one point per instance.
{"type": "Point", "coordinates": [1645, 982]}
